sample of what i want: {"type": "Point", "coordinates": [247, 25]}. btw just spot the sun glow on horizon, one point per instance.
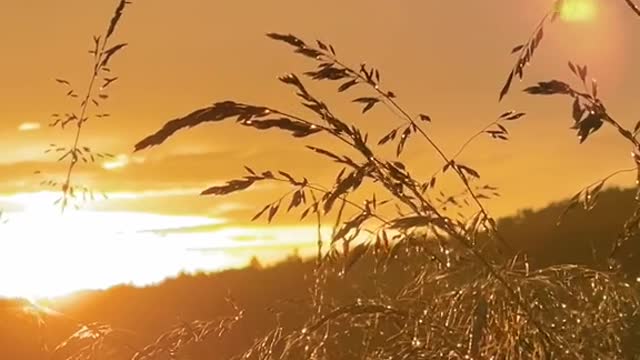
{"type": "Point", "coordinates": [45, 254]}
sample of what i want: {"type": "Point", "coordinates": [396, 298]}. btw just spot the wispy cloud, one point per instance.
{"type": "Point", "coordinates": [29, 126]}
{"type": "Point", "coordinates": [118, 162]}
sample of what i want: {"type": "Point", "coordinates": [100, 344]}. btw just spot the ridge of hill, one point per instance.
{"type": "Point", "coordinates": [279, 295]}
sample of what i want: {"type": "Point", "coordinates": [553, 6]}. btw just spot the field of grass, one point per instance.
{"type": "Point", "coordinates": [416, 266]}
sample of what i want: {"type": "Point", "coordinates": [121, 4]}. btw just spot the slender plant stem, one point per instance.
{"type": "Point", "coordinates": [85, 104]}
{"type": "Point", "coordinates": [633, 6]}
{"type": "Point", "coordinates": [472, 138]}
{"type": "Point", "coordinates": [617, 172]}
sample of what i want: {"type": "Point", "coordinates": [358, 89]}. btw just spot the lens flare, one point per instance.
{"type": "Point", "coordinates": [577, 10]}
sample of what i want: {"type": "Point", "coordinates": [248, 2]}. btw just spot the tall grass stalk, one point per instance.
{"type": "Point", "coordinates": [88, 106]}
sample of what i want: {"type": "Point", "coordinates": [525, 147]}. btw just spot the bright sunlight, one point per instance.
{"type": "Point", "coordinates": [90, 250]}
{"type": "Point", "coordinates": [85, 249]}
{"type": "Point", "coordinates": [578, 10]}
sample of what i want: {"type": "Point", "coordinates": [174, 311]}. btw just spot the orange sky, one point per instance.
{"type": "Point", "coordinates": [443, 58]}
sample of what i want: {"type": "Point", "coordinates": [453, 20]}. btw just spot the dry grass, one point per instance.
{"type": "Point", "coordinates": [88, 107]}
{"type": "Point", "coordinates": [480, 305]}
{"type": "Point", "coordinates": [469, 297]}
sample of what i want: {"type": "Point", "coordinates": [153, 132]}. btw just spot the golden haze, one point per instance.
{"type": "Point", "coordinates": [182, 57]}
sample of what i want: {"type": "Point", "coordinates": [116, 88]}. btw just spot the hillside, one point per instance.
{"type": "Point", "coordinates": [280, 294]}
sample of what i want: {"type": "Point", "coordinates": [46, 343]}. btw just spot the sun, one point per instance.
{"type": "Point", "coordinates": [577, 10]}
{"type": "Point", "coordinates": [49, 254]}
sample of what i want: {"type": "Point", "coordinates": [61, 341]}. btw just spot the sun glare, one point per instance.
{"type": "Point", "coordinates": [578, 10]}
{"type": "Point", "coordinates": [46, 254]}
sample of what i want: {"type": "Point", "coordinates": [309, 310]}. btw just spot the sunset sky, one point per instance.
{"type": "Point", "coordinates": [447, 59]}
